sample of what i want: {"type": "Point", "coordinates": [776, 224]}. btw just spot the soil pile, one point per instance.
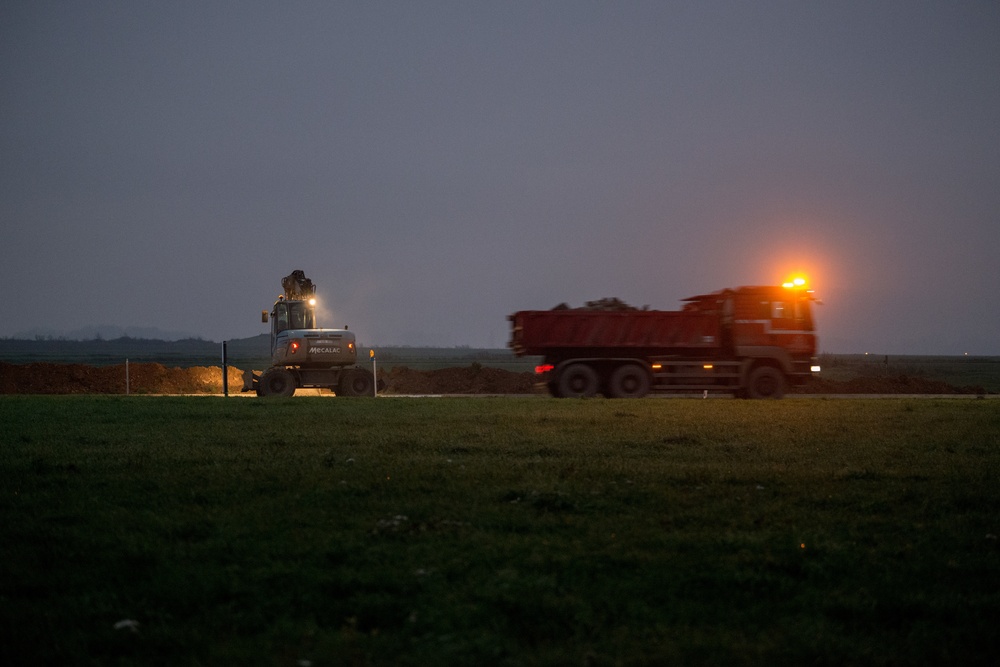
{"type": "Point", "coordinates": [472, 379]}
{"type": "Point", "coordinates": [44, 378]}
{"type": "Point", "coordinates": [142, 379]}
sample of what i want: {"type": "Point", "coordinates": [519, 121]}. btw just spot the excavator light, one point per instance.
{"type": "Point", "coordinates": [814, 369]}
{"type": "Point", "coordinates": [707, 367]}
{"type": "Point", "coordinates": [312, 302]}
{"type": "Point", "coordinates": [293, 347]}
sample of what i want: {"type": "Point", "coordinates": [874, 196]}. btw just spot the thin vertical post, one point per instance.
{"type": "Point", "coordinates": [225, 371]}
{"type": "Point", "coordinates": [126, 376]}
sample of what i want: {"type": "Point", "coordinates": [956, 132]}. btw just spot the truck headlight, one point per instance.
{"type": "Point", "coordinates": [814, 369]}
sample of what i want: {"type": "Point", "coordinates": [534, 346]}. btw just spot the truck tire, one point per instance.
{"type": "Point", "coordinates": [766, 382]}
{"type": "Point", "coordinates": [356, 382]}
{"type": "Point", "coordinates": [629, 381]}
{"type": "Point", "coordinates": [578, 381]}
{"type": "Point", "coordinates": [276, 382]}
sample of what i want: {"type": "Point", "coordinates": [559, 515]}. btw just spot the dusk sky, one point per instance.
{"type": "Point", "coordinates": [435, 166]}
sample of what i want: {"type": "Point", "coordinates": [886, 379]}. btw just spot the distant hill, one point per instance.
{"type": "Point", "coordinates": [104, 332]}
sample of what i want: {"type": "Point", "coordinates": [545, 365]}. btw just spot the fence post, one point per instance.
{"type": "Point", "coordinates": [225, 371]}
{"type": "Point", "coordinates": [126, 376]}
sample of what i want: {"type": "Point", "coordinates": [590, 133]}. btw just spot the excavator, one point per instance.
{"type": "Point", "coordinates": [304, 356]}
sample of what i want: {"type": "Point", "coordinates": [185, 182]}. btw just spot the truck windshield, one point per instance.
{"type": "Point", "coordinates": [794, 314]}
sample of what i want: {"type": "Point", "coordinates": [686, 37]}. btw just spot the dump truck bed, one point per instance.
{"type": "Point", "coordinates": [537, 332]}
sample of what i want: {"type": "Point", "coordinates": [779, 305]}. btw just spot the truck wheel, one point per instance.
{"type": "Point", "coordinates": [766, 382]}
{"type": "Point", "coordinates": [629, 381]}
{"type": "Point", "coordinates": [578, 381]}
{"type": "Point", "coordinates": [276, 382]}
{"type": "Point", "coordinates": [356, 382]}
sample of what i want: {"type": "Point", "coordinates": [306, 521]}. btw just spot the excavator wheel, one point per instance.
{"type": "Point", "coordinates": [276, 382]}
{"type": "Point", "coordinates": [356, 382]}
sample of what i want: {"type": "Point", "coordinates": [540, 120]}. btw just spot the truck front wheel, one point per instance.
{"type": "Point", "coordinates": [629, 381]}
{"type": "Point", "coordinates": [578, 381]}
{"type": "Point", "coordinates": [766, 382]}
{"type": "Point", "coordinates": [276, 382]}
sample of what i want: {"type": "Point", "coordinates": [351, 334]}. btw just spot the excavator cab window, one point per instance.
{"type": "Point", "coordinates": [293, 315]}
{"type": "Point", "coordinates": [298, 320]}
{"type": "Point", "coordinates": [280, 315]}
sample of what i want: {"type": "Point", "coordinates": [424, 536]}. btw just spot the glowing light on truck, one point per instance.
{"type": "Point", "coordinates": [797, 281]}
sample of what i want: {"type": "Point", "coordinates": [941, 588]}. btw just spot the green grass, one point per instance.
{"type": "Point", "coordinates": [498, 531]}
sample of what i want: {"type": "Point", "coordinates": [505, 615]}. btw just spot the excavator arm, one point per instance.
{"type": "Point", "coordinates": [297, 286]}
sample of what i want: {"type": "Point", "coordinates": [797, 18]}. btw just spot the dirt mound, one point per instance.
{"type": "Point", "coordinates": [43, 378]}
{"type": "Point", "coordinates": [472, 379]}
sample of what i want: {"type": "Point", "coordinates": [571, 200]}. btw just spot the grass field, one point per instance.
{"type": "Point", "coordinates": [205, 531]}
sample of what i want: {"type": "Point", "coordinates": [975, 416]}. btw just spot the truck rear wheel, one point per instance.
{"type": "Point", "coordinates": [276, 382]}
{"type": "Point", "coordinates": [578, 381]}
{"type": "Point", "coordinates": [356, 382]}
{"type": "Point", "coordinates": [629, 381]}
{"type": "Point", "coordinates": [766, 382]}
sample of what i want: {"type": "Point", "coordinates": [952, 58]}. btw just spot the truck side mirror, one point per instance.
{"type": "Point", "coordinates": [263, 316]}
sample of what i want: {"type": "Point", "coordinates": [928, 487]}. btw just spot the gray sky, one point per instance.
{"type": "Point", "coordinates": [435, 166]}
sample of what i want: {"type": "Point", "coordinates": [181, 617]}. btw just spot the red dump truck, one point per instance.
{"type": "Point", "coordinates": [752, 342]}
